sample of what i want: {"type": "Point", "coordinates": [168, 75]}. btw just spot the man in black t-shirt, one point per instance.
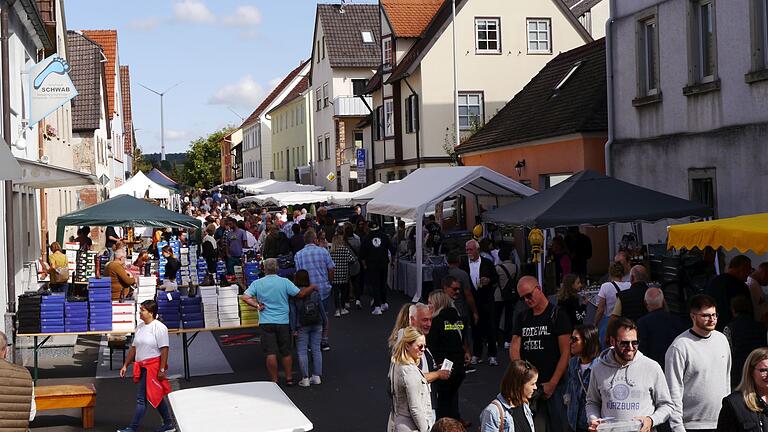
{"type": "Point", "coordinates": [727, 286]}
{"type": "Point", "coordinates": [435, 234]}
{"type": "Point", "coordinates": [542, 337]}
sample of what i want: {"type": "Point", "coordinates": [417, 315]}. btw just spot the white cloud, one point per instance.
{"type": "Point", "coordinates": [176, 135]}
{"type": "Point", "coordinates": [244, 16]}
{"type": "Point", "coordinates": [193, 11]}
{"type": "Point", "coordinates": [274, 82]}
{"type": "Point", "coordinates": [246, 93]}
{"type": "Point", "coordinates": [144, 24]}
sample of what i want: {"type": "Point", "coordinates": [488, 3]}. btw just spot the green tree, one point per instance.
{"type": "Point", "coordinates": [139, 162]}
{"type": "Point", "coordinates": [203, 166]}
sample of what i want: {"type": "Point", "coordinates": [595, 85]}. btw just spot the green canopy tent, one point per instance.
{"type": "Point", "coordinates": [125, 211]}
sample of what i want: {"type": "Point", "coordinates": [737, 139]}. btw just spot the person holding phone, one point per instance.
{"type": "Point", "coordinates": [149, 355]}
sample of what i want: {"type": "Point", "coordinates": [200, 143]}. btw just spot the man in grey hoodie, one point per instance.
{"type": "Point", "coordinates": [627, 385]}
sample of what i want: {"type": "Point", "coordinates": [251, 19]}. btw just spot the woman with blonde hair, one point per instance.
{"type": "Point", "coordinates": [409, 390]}
{"type": "Point", "coordinates": [746, 409]}
{"type": "Point", "coordinates": [402, 321]}
{"type": "Point", "coordinates": [510, 412]}
{"type": "Point", "coordinates": [59, 268]}
{"type": "Point", "coordinates": [446, 343]}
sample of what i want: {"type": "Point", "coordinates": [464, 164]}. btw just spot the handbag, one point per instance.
{"type": "Point", "coordinates": [60, 275]}
{"type": "Point", "coordinates": [354, 265]}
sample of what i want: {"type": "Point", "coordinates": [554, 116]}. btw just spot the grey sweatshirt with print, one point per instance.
{"type": "Point", "coordinates": [637, 388]}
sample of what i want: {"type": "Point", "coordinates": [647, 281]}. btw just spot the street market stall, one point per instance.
{"type": "Point", "coordinates": [590, 198]}
{"type": "Point", "coordinates": [361, 196]}
{"type": "Point", "coordinates": [743, 233]}
{"type": "Point", "coordinates": [158, 177]}
{"type": "Point", "coordinates": [413, 196]}
{"type": "Point", "coordinates": [283, 199]}
{"type": "Point", "coordinates": [140, 186]}
{"type": "Point", "coordinates": [274, 186]}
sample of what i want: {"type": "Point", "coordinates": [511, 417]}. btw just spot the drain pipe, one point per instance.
{"type": "Point", "coordinates": [611, 108]}
{"type": "Point", "coordinates": [6, 76]}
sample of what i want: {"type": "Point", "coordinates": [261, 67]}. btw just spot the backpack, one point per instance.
{"type": "Point", "coordinates": [308, 311]}
{"type": "Point", "coordinates": [509, 290]}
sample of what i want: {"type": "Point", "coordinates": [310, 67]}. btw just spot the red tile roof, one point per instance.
{"type": "Point", "coordinates": [125, 91]}
{"type": "Point", "coordinates": [108, 41]}
{"type": "Point", "coordinates": [253, 118]}
{"type": "Point", "coordinates": [409, 18]}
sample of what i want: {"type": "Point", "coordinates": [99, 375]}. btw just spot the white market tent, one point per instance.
{"type": "Point", "coordinates": [138, 185]}
{"type": "Point", "coordinates": [424, 188]}
{"type": "Point", "coordinates": [361, 196]}
{"type": "Point", "coordinates": [289, 198]}
{"type": "Point", "coordinates": [274, 186]}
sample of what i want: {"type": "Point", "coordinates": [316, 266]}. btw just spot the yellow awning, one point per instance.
{"type": "Point", "coordinates": [749, 232]}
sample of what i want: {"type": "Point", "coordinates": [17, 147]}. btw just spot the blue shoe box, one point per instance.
{"type": "Point", "coordinates": [193, 324]}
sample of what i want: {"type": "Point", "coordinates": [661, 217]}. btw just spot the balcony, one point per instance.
{"type": "Point", "coordinates": [351, 106]}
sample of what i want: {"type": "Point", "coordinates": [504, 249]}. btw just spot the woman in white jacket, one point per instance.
{"type": "Point", "coordinates": [409, 390]}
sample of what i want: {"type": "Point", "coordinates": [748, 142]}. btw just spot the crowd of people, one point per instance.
{"type": "Point", "coordinates": [635, 362]}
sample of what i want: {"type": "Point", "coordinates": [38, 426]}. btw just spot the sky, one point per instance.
{"type": "Point", "coordinates": [226, 54]}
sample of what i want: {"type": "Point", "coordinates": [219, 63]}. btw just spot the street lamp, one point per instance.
{"type": "Point", "coordinates": [162, 126]}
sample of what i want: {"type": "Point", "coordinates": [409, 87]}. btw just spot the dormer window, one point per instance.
{"type": "Point", "coordinates": [367, 36]}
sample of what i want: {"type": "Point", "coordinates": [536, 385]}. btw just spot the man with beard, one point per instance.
{"type": "Point", "coordinates": [627, 385]}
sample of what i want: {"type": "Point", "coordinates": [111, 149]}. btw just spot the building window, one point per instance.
{"type": "Point", "coordinates": [358, 86]}
{"type": "Point", "coordinates": [759, 27]}
{"type": "Point", "coordinates": [367, 36]}
{"type": "Point", "coordinates": [702, 186]}
{"type": "Point", "coordinates": [389, 118]}
{"type": "Point", "coordinates": [648, 56]}
{"type": "Point", "coordinates": [487, 35]}
{"type": "Point", "coordinates": [470, 110]}
{"type": "Point", "coordinates": [411, 114]}
{"type": "Point", "coordinates": [327, 146]}
{"type": "Point", "coordinates": [322, 46]}
{"type": "Point", "coordinates": [378, 120]}
{"type": "Point", "coordinates": [326, 95]}
{"type": "Point", "coordinates": [318, 51]}
{"type": "Point", "coordinates": [386, 53]}
{"type": "Point", "coordinates": [319, 148]}
{"type": "Point", "coordinates": [358, 139]}
{"type": "Point", "coordinates": [319, 97]}
{"type": "Point", "coordinates": [539, 36]}
{"type": "Point", "coordinates": [703, 53]}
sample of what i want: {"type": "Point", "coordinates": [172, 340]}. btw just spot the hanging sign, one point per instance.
{"type": "Point", "coordinates": [49, 87]}
{"type": "Point", "coordinates": [361, 166]}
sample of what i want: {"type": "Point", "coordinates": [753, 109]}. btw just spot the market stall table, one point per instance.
{"type": "Point", "coordinates": [186, 341]}
{"type": "Point", "coordinates": [406, 275]}
{"type": "Point", "coordinates": [231, 407]}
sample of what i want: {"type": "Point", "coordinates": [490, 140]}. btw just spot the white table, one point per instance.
{"type": "Point", "coordinates": [259, 406]}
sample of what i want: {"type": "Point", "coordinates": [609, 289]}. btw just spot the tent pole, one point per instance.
{"type": "Point", "coordinates": [419, 257]}
{"type": "Point", "coordinates": [542, 260]}
{"type": "Point", "coordinates": [717, 262]}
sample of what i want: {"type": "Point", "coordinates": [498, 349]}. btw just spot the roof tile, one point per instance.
{"type": "Point", "coordinates": [541, 111]}
{"type": "Point", "coordinates": [108, 41]}
{"type": "Point", "coordinates": [85, 61]}
{"type": "Point", "coordinates": [125, 91]}
{"type": "Point", "coordinates": [409, 18]}
{"type": "Point", "coordinates": [343, 34]}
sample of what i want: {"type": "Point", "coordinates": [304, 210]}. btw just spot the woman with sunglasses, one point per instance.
{"type": "Point", "coordinates": [585, 346]}
{"type": "Point", "coordinates": [746, 409]}
{"type": "Point", "coordinates": [510, 412]}
{"type": "Point", "coordinates": [409, 390]}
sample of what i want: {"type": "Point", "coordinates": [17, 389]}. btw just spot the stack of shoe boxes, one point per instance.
{"type": "Point", "coordinates": [202, 270]}
{"type": "Point", "coordinates": [147, 285]}
{"type": "Point", "coordinates": [71, 252]}
{"type": "Point", "coordinates": [123, 315]}
{"type": "Point", "coordinates": [28, 313]}
{"type": "Point", "coordinates": [184, 269]}
{"type": "Point", "coordinates": [192, 312]}
{"type": "Point", "coordinates": [76, 316]}
{"type": "Point", "coordinates": [228, 306]}
{"type": "Point", "coordinates": [100, 304]}
{"type": "Point", "coordinates": [52, 313]}
{"type": "Point", "coordinates": [251, 272]}
{"type": "Point", "coordinates": [249, 315]}
{"type": "Point", "coordinates": [168, 304]}
{"type": "Point", "coordinates": [221, 271]}
{"type": "Point", "coordinates": [209, 299]}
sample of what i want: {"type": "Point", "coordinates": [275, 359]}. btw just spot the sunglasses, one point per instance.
{"type": "Point", "coordinates": [625, 344]}
{"type": "Point", "coordinates": [529, 296]}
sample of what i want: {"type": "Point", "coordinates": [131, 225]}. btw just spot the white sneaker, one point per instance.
{"type": "Point", "coordinates": [506, 345]}
{"type": "Point", "coordinates": [346, 305]}
{"type": "Point", "coordinates": [492, 361]}
{"type": "Point", "coordinates": [473, 361]}
{"type": "Point", "coordinates": [304, 382]}
{"type": "Point", "coordinates": [385, 307]}
{"type": "Point", "coordinates": [338, 313]}
{"type": "Point", "coordinates": [376, 311]}
{"type": "Point", "coordinates": [315, 380]}
{"type": "Point", "coordinates": [345, 311]}
{"type": "Point", "coordinates": [358, 304]}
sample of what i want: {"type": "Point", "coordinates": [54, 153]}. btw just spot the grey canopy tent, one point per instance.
{"type": "Point", "coordinates": [126, 211]}
{"type": "Point", "coordinates": [590, 198]}
{"type": "Point", "coordinates": [160, 178]}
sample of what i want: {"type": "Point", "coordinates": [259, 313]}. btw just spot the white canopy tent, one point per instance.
{"type": "Point", "coordinates": [289, 198]}
{"type": "Point", "coordinates": [361, 196]}
{"type": "Point", "coordinates": [411, 197]}
{"type": "Point", "coordinates": [137, 187]}
{"type": "Point", "coordinates": [274, 186]}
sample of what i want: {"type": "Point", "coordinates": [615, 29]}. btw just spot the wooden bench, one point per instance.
{"type": "Point", "coordinates": [68, 396]}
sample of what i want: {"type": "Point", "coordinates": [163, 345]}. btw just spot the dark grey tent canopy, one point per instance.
{"type": "Point", "coordinates": [590, 198]}
{"type": "Point", "coordinates": [160, 178]}
{"type": "Point", "coordinates": [126, 211]}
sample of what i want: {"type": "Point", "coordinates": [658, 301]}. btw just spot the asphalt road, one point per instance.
{"type": "Point", "coordinates": [351, 398]}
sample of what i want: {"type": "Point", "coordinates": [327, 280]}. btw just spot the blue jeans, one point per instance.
{"type": "Point", "coordinates": [309, 337]}
{"type": "Point", "coordinates": [552, 409]}
{"type": "Point", "coordinates": [141, 404]}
